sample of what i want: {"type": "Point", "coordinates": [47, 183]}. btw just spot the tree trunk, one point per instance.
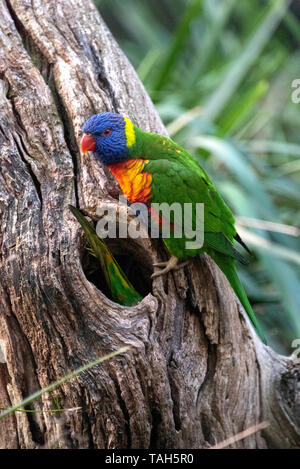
{"type": "Point", "coordinates": [196, 373]}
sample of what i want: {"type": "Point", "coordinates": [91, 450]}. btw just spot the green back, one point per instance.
{"type": "Point", "coordinates": [177, 177]}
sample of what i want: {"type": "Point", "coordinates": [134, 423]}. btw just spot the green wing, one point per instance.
{"type": "Point", "coordinates": [179, 179]}
{"type": "Point", "coordinates": [122, 291]}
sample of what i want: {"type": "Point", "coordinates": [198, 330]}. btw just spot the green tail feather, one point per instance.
{"type": "Point", "coordinates": [122, 291]}
{"type": "Point", "coordinates": [227, 266]}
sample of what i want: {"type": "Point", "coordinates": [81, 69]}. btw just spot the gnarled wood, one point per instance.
{"type": "Point", "coordinates": [196, 373]}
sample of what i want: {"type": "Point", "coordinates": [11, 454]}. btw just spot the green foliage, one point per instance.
{"type": "Point", "coordinates": [220, 74]}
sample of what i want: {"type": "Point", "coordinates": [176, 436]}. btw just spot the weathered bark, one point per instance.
{"type": "Point", "coordinates": [196, 373]}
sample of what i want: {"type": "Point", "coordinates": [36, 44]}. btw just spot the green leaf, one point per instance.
{"type": "Point", "coordinates": [245, 60]}
{"type": "Point", "coordinates": [177, 45]}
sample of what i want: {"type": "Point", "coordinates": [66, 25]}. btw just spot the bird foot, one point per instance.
{"type": "Point", "coordinates": [171, 264]}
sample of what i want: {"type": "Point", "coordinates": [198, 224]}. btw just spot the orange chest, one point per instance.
{"type": "Point", "coordinates": [134, 181]}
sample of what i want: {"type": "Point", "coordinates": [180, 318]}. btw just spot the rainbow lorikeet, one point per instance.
{"type": "Point", "coordinates": [151, 169]}
{"type": "Point", "coordinates": [120, 288]}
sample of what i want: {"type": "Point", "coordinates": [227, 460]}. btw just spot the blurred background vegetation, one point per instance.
{"type": "Point", "coordinates": [220, 73]}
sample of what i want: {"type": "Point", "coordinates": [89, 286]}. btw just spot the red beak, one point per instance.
{"type": "Point", "coordinates": [88, 143]}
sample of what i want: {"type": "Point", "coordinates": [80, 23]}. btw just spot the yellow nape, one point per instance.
{"type": "Point", "coordinates": [129, 132]}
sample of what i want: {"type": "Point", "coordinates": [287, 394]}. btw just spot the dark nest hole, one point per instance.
{"type": "Point", "coordinates": [130, 256]}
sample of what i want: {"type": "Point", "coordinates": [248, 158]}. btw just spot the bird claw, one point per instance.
{"type": "Point", "coordinates": [160, 264]}
{"type": "Point", "coordinates": [171, 264]}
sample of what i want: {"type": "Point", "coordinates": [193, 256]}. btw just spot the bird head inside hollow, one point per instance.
{"type": "Point", "coordinates": [109, 136]}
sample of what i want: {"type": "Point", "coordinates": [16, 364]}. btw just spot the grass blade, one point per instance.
{"type": "Point", "coordinates": [61, 381]}
{"type": "Point", "coordinates": [180, 36]}
{"type": "Point", "coordinates": [245, 61]}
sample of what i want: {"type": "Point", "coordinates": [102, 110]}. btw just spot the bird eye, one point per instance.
{"type": "Point", "coordinates": [102, 134]}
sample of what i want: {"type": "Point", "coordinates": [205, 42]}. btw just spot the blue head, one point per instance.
{"type": "Point", "coordinates": [109, 136]}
